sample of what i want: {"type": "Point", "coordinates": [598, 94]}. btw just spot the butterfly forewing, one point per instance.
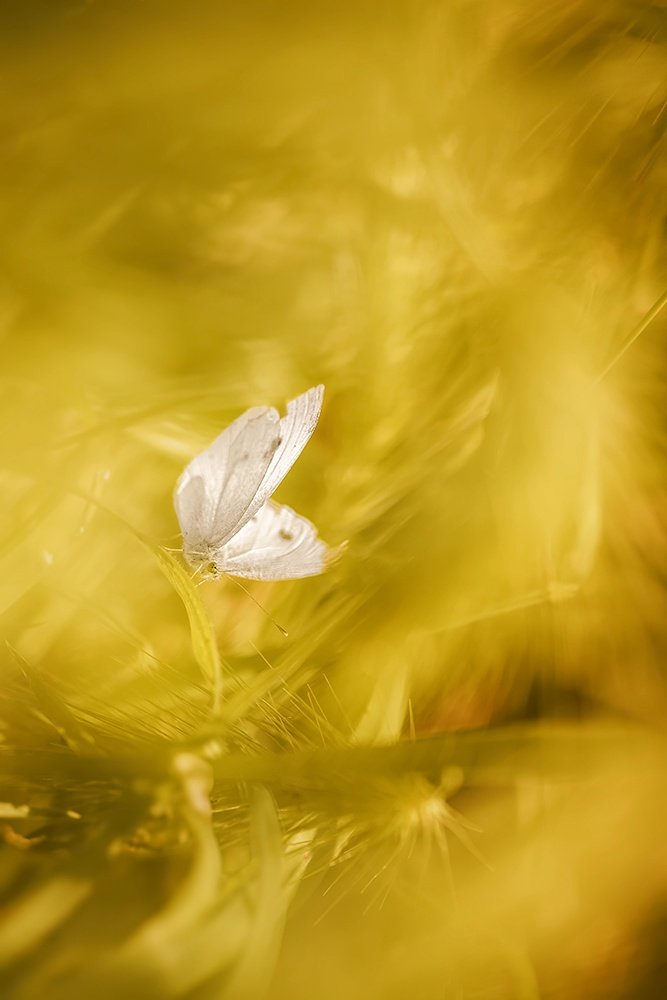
{"type": "Point", "coordinates": [216, 493]}
{"type": "Point", "coordinates": [295, 431]}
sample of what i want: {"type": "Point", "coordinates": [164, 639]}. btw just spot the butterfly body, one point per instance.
{"type": "Point", "coordinates": [223, 499]}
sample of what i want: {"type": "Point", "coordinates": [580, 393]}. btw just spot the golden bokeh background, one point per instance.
{"type": "Point", "coordinates": [448, 781]}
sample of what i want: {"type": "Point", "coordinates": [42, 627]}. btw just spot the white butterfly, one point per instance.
{"type": "Point", "coordinates": [228, 523]}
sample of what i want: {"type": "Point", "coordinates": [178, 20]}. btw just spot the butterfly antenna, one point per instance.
{"type": "Point", "coordinates": [260, 606]}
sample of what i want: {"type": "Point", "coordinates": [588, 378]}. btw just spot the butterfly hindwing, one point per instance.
{"type": "Point", "coordinates": [276, 544]}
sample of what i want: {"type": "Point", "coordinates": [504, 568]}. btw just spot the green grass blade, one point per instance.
{"type": "Point", "coordinates": [254, 970]}
{"type": "Point", "coordinates": [204, 643]}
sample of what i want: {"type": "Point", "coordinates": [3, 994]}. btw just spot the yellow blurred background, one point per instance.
{"type": "Point", "coordinates": [448, 781]}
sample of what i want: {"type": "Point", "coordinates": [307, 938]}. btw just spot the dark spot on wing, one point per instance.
{"type": "Point", "coordinates": [275, 444]}
{"type": "Point", "coordinates": [245, 456]}
{"type": "Point", "coordinates": [287, 535]}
